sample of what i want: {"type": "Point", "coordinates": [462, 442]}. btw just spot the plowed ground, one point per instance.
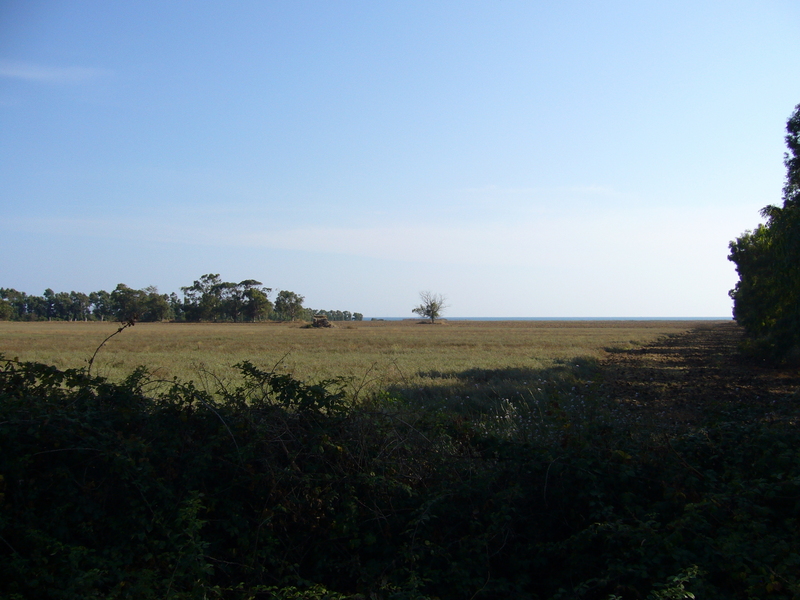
{"type": "Point", "coordinates": [692, 378]}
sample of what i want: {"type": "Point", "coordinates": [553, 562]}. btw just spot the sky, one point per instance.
{"type": "Point", "coordinates": [522, 158]}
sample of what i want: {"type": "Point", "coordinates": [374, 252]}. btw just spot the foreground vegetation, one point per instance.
{"type": "Point", "coordinates": [275, 488]}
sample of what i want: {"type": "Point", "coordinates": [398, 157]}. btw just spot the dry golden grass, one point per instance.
{"type": "Point", "coordinates": [380, 353]}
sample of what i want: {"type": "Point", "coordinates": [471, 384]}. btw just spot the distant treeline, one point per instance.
{"type": "Point", "coordinates": [207, 299]}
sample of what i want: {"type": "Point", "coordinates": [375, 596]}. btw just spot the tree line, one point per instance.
{"type": "Point", "coordinates": [766, 300]}
{"type": "Point", "coordinates": [209, 298]}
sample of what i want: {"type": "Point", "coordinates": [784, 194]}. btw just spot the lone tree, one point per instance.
{"type": "Point", "coordinates": [432, 306]}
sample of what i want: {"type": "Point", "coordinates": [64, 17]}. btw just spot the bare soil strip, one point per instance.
{"type": "Point", "coordinates": [687, 378]}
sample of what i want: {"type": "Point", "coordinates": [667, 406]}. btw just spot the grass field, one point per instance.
{"type": "Point", "coordinates": [375, 354]}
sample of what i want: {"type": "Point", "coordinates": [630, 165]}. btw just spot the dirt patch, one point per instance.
{"type": "Point", "coordinates": [692, 378]}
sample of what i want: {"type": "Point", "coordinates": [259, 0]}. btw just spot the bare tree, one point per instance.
{"type": "Point", "coordinates": [432, 306]}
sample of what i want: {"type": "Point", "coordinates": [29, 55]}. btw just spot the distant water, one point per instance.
{"type": "Point", "coordinates": [558, 318]}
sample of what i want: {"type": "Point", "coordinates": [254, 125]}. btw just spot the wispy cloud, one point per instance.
{"type": "Point", "coordinates": [434, 243]}
{"type": "Point", "coordinates": [47, 74]}
{"type": "Point", "coordinates": [658, 239]}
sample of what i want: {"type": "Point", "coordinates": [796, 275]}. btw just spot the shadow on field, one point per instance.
{"type": "Point", "coordinates": [479, 390]}
{"type": "Point", "coordinates": [682, 381]}
{"type": "Point", "coordinates": [691, 378]}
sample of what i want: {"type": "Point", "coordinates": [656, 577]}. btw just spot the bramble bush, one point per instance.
{"type": "Point", "coordinates": [280, 489]}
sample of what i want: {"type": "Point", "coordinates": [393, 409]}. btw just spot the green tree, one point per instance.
{"type": "Point", "coordinates": [235, 297]}
{"type": "Point", "coordinates": [257, 305]}
{"type": "Point", "coordinates": [211, 299]}
{"type": "Point", "coordinates": [766, 299]}
{"type": "Point", "coordinates": [288, 305]}
{"type": "Point", "coordinates": [203, 298]}
{"type": "Point", "coordinates": [432, 306]}
{"type": "Point", "coordinates": [127, 303]}
{"type": "Point", "coordinates": [18, 304]}
{"type": "Point", "coordinates": [6, 310]}
{"type": "Point", "coordinates": [230, 304]}
{"type": "Point", "coordinates": [155, 306]}
{"type": "Point", "coordinates": [101, 305]}
{"type": "Point", "coordinates": [38, 307]}
{"type": "Point", "coordinates": [62, 306]}
{"type": "Point", "coordinates": [48, 305]}
{"type": "Point", "coordinates": [176, 307]}
{"type": "Point", "coordinates": [80, 306]}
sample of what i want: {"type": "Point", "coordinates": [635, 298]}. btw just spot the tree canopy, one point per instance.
{"type": "Point", "coordinates": [766, 299]}
{"type": "Point", "coordinates": [288, 305]}
{"type": "Point", "coordinates": [209, 298]}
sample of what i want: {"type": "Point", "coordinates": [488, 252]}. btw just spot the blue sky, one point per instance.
{"type": "Point", "coordinates": [537, 159]}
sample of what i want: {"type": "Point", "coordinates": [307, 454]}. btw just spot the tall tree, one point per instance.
{"type": "Point", "coordinates": [62, 306]}
{"type": "Point", "coordinates": [80, 304]}
{"type": "Point", "coordinates": [288, 305]}
{"type": "Point", "coordinates": [202, 299]}
{"type": "Point", "coordinates": [257, 304]}
{"type": "Point", "coordinates": [234, 297]}
{"type": "Point", "coordinates": [176, 307]}
{"type": "Point", "coordinates": [766, 300]}
{"type": "Point", "coordinates": [49, 304]}
{"type": "Point", "coordinates": [155, 306]}
{"type": "Point", "coordinates": [127, 303]}
{"type": "Point", "coordinates": [38, 307]}
{"type": "Point", "coordinates": [6, 310]}
{"type": "Point", "coordinates": [18, 303]}
{"type": "Point", "coordinates": [101, 305]}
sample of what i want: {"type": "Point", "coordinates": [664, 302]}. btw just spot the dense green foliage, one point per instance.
{"type": "Point", "coordinates": [767, 296]}
{"type": "Point", "coordinates": [207, 299]}
{"type": "Point", "coordinates": [282, 489]}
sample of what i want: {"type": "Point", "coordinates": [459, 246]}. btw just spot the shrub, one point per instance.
{"type": "Point", "coordinates": [282, 489]}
